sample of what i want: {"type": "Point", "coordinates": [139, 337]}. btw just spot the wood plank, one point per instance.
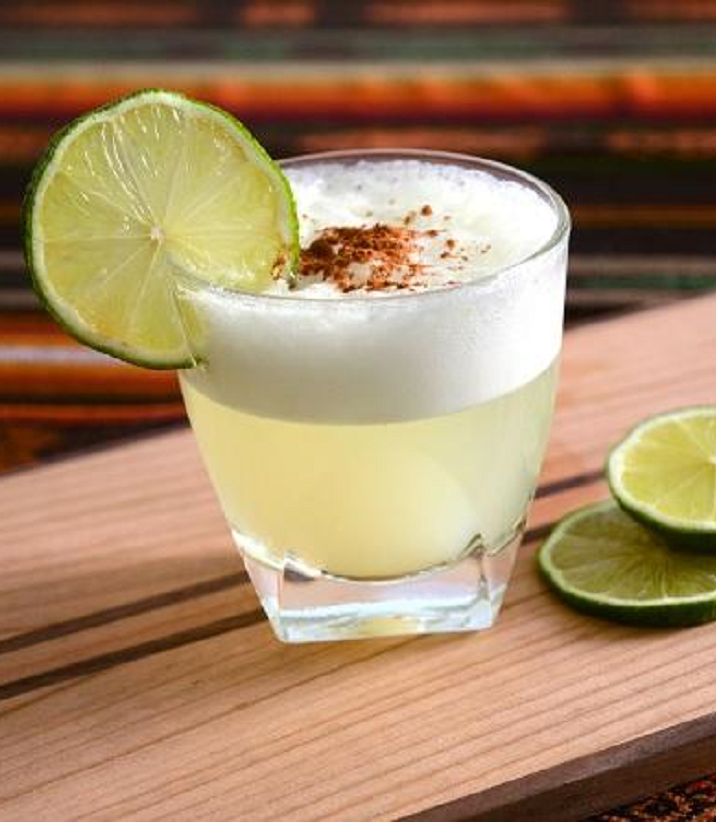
{"type": "Point", "coordinates": [138, 680]}
{"type": "Point", "coordinates": [646, 765]}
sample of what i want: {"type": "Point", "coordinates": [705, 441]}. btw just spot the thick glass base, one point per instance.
{"type": "Point", "coordinates": [304, 604]}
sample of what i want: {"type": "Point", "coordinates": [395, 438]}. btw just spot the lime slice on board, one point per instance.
{"type": "Point", "coordinates": [664, 474]}
{"type": "Point", "coordinates": [604, 563]}
{"type": "Point", "coordinates": [130, 193]}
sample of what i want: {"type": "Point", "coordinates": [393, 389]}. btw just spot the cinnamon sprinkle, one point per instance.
{"type": "Point", "coordinates": [379, 257]}
{"type": "Point", "coordinates": [373, 258]}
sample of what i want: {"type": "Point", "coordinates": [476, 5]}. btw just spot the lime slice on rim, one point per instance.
{"type": "Point", "coordinates": [664, 474]}
{"type": "Point", "coordinates": [132, 191]}
{"type": "Point", "coordinates": [602, 562]}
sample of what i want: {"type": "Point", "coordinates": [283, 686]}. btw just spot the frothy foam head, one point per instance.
{"type": "Point", "coordinates": [372, 227]}
{"type": "Point", "coordinates": [297, 356]}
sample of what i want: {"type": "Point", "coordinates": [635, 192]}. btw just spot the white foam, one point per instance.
{"type": "Point", "coordinates": [493, 223]}
{"type": "Point", "coordinates": [299, 356]}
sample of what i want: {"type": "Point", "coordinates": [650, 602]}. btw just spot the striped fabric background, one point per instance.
{"type": "Point", "coordinates": [613, 102]}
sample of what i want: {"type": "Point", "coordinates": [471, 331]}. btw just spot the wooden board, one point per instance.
{"type": "Point", "coordinates": [139, 679]}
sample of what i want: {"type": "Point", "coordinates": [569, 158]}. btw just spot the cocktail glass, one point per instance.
{"type": "Point", "coordinates": [375, 458]}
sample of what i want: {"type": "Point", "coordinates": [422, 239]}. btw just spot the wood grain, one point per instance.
{"type": "Point", "coordinates": [139, 680]}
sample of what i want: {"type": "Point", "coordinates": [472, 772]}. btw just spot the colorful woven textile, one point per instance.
{"type": "Point", "coordinates": [695, 802]}
{"type": "Point", "coordinates": [612, 102]}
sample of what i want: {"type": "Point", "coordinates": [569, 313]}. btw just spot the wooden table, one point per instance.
{"type": "Point", "coordinates": [139, 679]}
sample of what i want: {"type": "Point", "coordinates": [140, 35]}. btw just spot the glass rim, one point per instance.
{"type": "Point", "coordinates": [498, 169]}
